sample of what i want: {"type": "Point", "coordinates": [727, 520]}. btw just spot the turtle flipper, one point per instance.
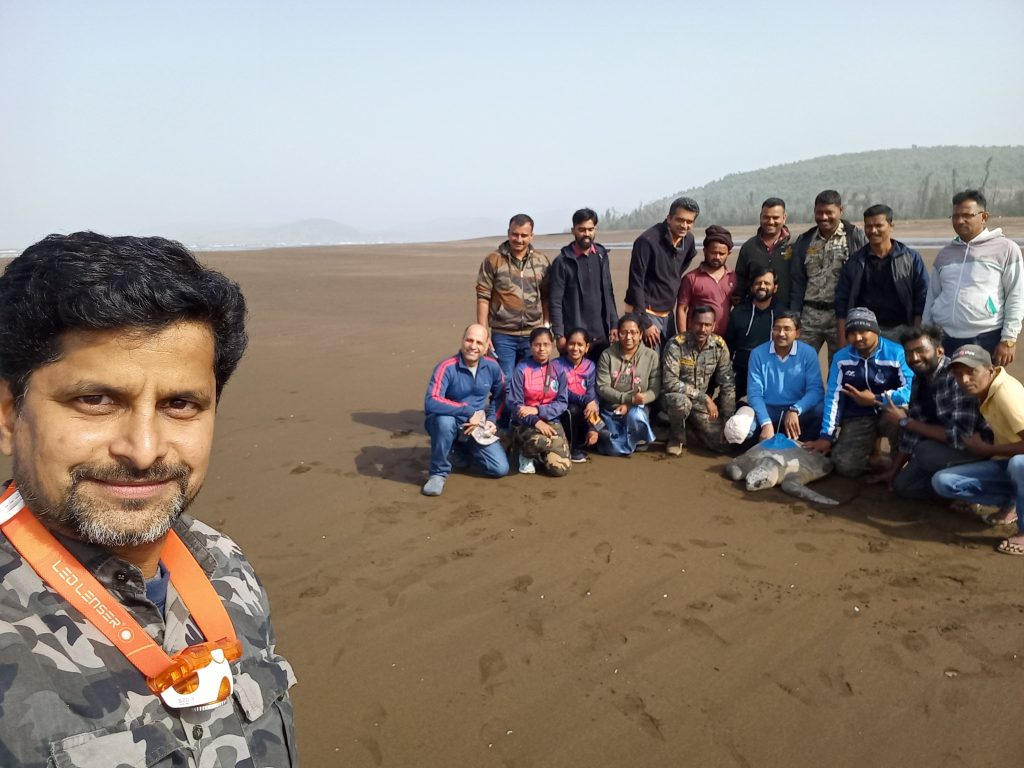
{"type": "Point", "coordinates": [793, 488]}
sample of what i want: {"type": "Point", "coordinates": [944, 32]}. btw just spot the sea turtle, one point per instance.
{"type": "Point", "coordinates": [782, 462]}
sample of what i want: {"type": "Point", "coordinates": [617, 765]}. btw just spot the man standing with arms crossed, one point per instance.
{"type": "Point", "coordinates": [114, 352]}
{"type": "Point", "coordinates": [511, 294]}
{"type": "Point", "coordinates": [976, 294]}
{"type": "Point", "coordinates": [711, 283]}
{"type": "Point", "coordinates": [660, 257]}
{"type": "Point", "coordinates": [818, 257]}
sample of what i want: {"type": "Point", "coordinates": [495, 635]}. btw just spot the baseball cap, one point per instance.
{"type": "Point", "coordinates": [971, 355]}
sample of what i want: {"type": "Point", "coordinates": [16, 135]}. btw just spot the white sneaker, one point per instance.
{"type": "Point", "coordinates": [526, 466]}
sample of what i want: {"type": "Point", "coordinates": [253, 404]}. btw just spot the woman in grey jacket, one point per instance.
{"type": "Point", "coordinates": [628, 380]}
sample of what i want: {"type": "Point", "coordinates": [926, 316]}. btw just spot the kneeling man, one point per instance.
{"type": "Point", "coordinates": [941, 415]}
{"type": "Point", "coordinates": [130, 633]}
{"type": "Point", "coordinates": [784, 383]}
{"type": "Point", "coordinates": [865, 375]}
{"type": "Point", "coordinates": [462, 397]}
{"type": "Point", "coordinates": [696, 364]}
{"type": "Point", "coordinates": [999, 480]}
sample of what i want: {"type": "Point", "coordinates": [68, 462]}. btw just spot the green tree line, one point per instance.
{"type": "Point", "coordinates": [917, 183]}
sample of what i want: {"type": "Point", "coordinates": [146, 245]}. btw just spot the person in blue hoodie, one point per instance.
{"type": "Point", "coordinates": [865, 375]}
{"type": "Point", "coordinates": [463, 397]}
{"type": "Point", "coordinates": [885, 276]}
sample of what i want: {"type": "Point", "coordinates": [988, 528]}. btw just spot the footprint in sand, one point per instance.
{"type": "Point", "coordinates": [708, 544]}
{"type": "Point", "coordinates": [491, 664]}
{"type": "Point", "coordinates": [633, 707]}
{"type": "Point", "coordinates": [604, 551]}
{"type": "Point", "coordinates": [371, 725]}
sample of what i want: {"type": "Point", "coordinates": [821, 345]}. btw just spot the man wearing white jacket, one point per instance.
{"type": "Point", "coordinates": [976, 292]}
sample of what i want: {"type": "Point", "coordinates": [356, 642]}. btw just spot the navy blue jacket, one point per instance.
{"type": "Point", "coordinates": [908, 273]}
{"type": "Point", "coordinates": [566, 299]}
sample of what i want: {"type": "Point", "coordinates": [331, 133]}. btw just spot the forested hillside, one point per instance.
{"type": "Point", "coordinates": [918, 183]}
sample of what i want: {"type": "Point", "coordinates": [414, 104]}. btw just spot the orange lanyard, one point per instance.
{"type": "Point", "coordinates": [69, 578]}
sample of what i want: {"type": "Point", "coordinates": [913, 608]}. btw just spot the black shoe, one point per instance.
{"type": "Point", "coordinates": [578, 457]}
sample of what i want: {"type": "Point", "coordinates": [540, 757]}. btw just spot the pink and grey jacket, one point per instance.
{"type": "Point", "coordinates": [454, 391]}
{"type": "Point", "coordinates": [542, 386]}
{"type": "Point", "coordinates": [581, 380]}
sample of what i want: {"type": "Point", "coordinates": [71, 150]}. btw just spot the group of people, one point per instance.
{"type": "Point", "coordinates": [730, 357]}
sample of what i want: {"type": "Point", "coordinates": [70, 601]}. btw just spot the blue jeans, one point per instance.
{"type": "Point", "coordinates": [445, 436]}
{"type": "Point", "coordinates": [510, 351]}
{"type": "Point", "coordinates": [986, 341]}
{"type": "Point", "coordinates": [996, 483]}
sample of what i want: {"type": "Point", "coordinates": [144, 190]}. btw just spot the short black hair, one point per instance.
{"type": "Point", "coordinates": [774, 202]}
{"type": "Point", "coordinates": [879, 209]}
{"type": "Point", "coordinates": [828, 197]}
{"type": "Point", "coordinates": [971, 194]}
{"type": "Point", "coordinates": [760, 270]}
{"type": "Point", "coordinates": [90, 282]}
{"type": "Point", "coordinates": [519, 219]}
{"type": "Point", "coordinates": [629, 317]}
{"type": "Point", "coordinates": [541, 330]}
{"type": "Point", "coordinates": [932, 332]}
{"type": "Point", "coordinates": [584, 214]}
{"type": "Point", "coordinates": [686, 203]}
{"type": "Point", "coordinates": [788, 314]}
{"type": "Point", "coordinates": [702, 309]}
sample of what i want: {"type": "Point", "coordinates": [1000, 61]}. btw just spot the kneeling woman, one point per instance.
{"type": "Point", "coordinates": [628, 380]}
{"type": "Point", "coordinates": [581, 416]}
{"type": "Point", "coordinates": [537, 397]}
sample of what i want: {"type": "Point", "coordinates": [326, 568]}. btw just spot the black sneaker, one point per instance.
{"type": "Point", "coordinates": [578, 457]}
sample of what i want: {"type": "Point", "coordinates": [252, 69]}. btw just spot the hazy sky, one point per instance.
{"type": "Point", "coordinates": [136, 117]}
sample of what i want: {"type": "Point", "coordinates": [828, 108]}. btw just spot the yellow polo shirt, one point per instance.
{"type": "Point", "coordinates": [1003, 409]}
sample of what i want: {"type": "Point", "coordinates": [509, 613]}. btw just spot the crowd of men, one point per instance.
{"type": "Point", "coordinates": [729, 357]}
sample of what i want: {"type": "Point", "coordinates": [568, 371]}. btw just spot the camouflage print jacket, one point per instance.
{"type": "Point", "coordinates": [689, 370]}
{"type": "Point", "coordinates": [70, 699]}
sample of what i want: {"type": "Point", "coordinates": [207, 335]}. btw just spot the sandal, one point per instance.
{"type": "Point", "coordinates": [1008, 547]}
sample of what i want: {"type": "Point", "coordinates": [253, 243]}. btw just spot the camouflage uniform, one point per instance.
{"type": "Point", "coordinates": [689, 374]}
{"type": "Point", "coordinates": [553, 452]}
{"type": "Point", "coordinates": [69, 698]}
{"type": "Point", "coordinates": [823, 263]}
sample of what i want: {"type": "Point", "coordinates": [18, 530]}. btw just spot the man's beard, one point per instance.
{"type": "Point", "coordinates": [761, 295]}
{"type": "Point", "coordinates": [122, 523]}
{"type": "Point", "coordinates": [584, 243]}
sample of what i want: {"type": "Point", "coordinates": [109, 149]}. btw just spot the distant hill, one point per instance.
{"type": "Point", "coordinates": [918, 183]}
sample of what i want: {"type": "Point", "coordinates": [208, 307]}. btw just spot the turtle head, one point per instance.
{"type": "Point", "coordinates": [765, 474]}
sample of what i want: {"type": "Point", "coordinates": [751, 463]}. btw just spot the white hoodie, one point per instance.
{"type": "Point", "coordinates": [977, 287]}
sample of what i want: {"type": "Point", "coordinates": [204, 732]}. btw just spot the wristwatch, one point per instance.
{"type": "Point", "coordinates": [1011, 343]}
{"type": "Point", "coordinates": [904, 421]}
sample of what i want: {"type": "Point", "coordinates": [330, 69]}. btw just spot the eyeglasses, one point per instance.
{"type": "Point", "coordinates": [965, 216]}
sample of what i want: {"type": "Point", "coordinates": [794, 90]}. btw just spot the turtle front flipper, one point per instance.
{"type": "Point", "coordinates": [794, 488]}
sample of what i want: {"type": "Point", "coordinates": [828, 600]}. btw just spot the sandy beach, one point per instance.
{"type": "Point", "coordinates": [639, 612]}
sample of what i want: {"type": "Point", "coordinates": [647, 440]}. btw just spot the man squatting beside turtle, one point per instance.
{"type": "Point", "coordinates": [866, 374]}
{"type": "Point", "coordinates": [114, 352]}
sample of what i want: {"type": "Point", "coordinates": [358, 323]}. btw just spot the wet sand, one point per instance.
{"type": "Point", "coordinates": [641, 612]}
